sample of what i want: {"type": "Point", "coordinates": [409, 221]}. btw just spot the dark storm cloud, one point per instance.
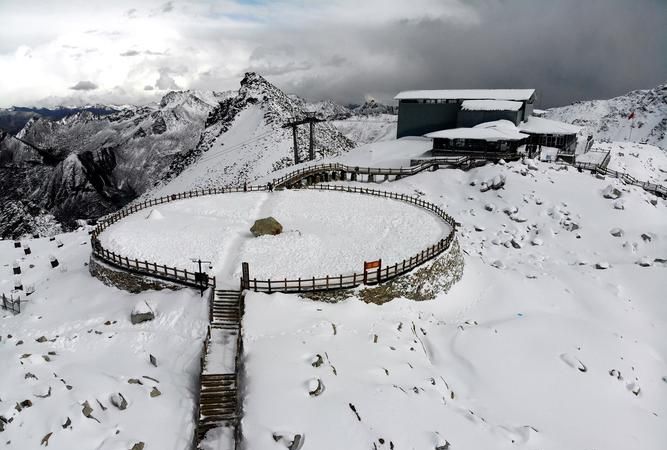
{"type": "Point", "coordinates": [168, 7]}
{"type": "Point", "coordinates": [568, 49]}
{"type": "Point", "coordinates": [84, 86]}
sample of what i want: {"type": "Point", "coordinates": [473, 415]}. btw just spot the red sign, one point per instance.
{"type": "Point", "coordinates": [368, 265]}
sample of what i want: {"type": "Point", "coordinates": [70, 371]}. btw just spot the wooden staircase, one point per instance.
{"type": "Point", "coordinates": [218, 398]}
{"type": "Point", "coordinates": [226, 310]}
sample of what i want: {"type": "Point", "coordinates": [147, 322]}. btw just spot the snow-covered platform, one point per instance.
{"type": "Point", "coordinates": [324, 233]}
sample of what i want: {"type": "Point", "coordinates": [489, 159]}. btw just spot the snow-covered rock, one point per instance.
{"type": "Point", "coordinates": [142, 312]}
{"type": "Point", "coordinates": [616, 232]}
{"type": "Point", "coordinates": [611, 192]}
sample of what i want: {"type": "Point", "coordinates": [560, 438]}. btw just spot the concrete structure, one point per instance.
{"type": "Point", "coordinates": [421, 112]}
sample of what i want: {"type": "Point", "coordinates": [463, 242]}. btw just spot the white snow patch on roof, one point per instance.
{"type": "Point", "coordinates": [467, 94]}
{"type": "Point", "coordinates": [547, 126]}
{"type": "Point", "coordinates": [498, 130]}
{"type": "Point", "coordinates": [490, 105]}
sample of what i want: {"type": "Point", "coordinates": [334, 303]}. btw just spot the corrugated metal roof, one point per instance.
{"type": "Point", "coordinates": [467, 94]}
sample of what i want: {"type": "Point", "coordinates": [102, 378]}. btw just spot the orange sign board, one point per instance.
{"type": "Point", "coordinates": [368, 265]}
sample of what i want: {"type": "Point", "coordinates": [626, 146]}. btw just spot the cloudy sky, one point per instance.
{"type": "Point", "coordinates": [86, 51]}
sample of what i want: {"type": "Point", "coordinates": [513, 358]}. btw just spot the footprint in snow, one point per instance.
{"type": "Point", "coordinates": [573, 362]}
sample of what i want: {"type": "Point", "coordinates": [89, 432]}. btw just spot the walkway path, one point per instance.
{"type": "Point", "coordinates": [218, 399]}
{"type": "Point", "coordinates": [224, 275]}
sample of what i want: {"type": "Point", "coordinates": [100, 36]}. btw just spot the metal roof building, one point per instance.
{"type": "Point", "coordinates": [424, 111]}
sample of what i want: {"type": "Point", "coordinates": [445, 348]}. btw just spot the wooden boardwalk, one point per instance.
{"type": "Point", "coordinates": [218, 398]}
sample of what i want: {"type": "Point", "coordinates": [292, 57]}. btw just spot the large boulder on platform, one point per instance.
{"type": "Point", "coordinates": [268, 225]}
{"type": "Point", "coordinates": [142, 312]}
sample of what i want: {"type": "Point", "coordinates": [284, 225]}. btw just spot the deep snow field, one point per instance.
{"type": "Point", "coordinates": [555, 338]}
{"type": "Point", "coordinates": [324, 233]}
{"type": "Point", "coordinates": [91, 352]}
{"type": "Point", "coordinates": [534, 348]}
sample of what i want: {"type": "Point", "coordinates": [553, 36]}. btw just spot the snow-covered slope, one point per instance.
{"type": "Point", "coordinates": [73, 344]}
{"type": "Point", "coordinates": [368, 129]}
{"type": "Point", "coordinates": [244, 139]}
{"type": "Point", "coordinates": [609, 119]}
{"type": "Point", "coordinates": [553, 339]}
{"type": "Point", "coordinates": [84, 165]}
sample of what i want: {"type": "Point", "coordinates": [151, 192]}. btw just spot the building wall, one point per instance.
{"type": "Point", "coordinates": [472, 118]}
{"type": "Point", "coordinates": [528, 107]}
{"type": "Point", "coordinates": [472, 146]}
{"type": "Point", "coordinates": [417, 119]}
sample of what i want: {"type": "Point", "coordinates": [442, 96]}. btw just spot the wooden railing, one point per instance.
{"type": "Point", "coordinates": [202, 280]}
{"type": "Point", "coordinates": [383, 274]}
{"type": "Point", "coordinates": [601, 168]}
{"type": "Point", "coordinates": [11, 303]}
{"type": "Point", "coordinates": [304, 172]}
{"type": "Point", "coordinates": [153, 269]}
{"type": "Point", "coordinates": [416, 166]}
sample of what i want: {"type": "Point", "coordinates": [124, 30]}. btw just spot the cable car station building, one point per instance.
{"type": "Point", "coordinates": [465, 121]}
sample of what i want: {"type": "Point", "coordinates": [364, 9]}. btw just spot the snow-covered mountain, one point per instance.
{"type": "Point", "coordinates": [553, 339]}
{"type": "Point", "coordinates": [14, 118]}
{"type": "Point", "coordinates": [373, 108]}
{"type": "Point", "coordinates": [639, 116]}
{"type": "Point", "coordinates": [363, 124]}
{"type": "Point", "coordinates": [325, 109]}
{"type": "Point", "coordinates": [85, 165]}
{"type": "Point", "coordinates": [368, 129]}
{"type": "Point", "coordinates": [244, 139]}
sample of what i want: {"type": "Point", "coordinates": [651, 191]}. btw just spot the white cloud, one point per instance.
{"type": "Point", "coordinates": [341, 49]}
{"type": "Point", "coordinates": [84, 86]}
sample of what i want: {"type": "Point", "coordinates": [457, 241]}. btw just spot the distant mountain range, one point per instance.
{"type": "Point", "coordinates": [59, 166]}
{"type": "Point", "coordinates": [13, 119]}
{"type": "Point", "coordinates": [638, 116]}
{"type": "Point", "coordinates": [84, 164]}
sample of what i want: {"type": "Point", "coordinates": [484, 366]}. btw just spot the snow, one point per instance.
{"type": "Point", "coordinates": [533, 348]}
{"type": "Point", "coordinates": [218, 439]}
{"type": "Point", "coordinates": [368, 129]}
{"type": "Point", "coordinates": [93, 350]}
{"type": "Point", "coordinates": [540, 125]}
{"type": "Point", "coordinates": [548, 154]}
{"type": "Point", "coordinates": [223, 361]}
{"type": "Point", "coordinates": [594, 156]}
{"type": "Point", "coordinates": [491, 105]}
{"type": "Point", "coordinates": [467, 94]}
{"type": "Point", "coordinates": [609, 119]}
{"type": "Point", "coordinates": [142, 307]}
{"type": "Point", "coordinates": [324, 233]}
{"type": "Point", "coordinates": [488, 131]}
{"type": "Point", "coordinates": [642, 161]}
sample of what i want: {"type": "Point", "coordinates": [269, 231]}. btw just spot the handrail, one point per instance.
{"type": "Point", "coordinates": [421, 165]}
{"type": "Point", "coordinates": [355, 279]}
{"type": "Point", "coordinates": [192, 279]}
{"type": "Point", "coordinates": [601, 168]}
